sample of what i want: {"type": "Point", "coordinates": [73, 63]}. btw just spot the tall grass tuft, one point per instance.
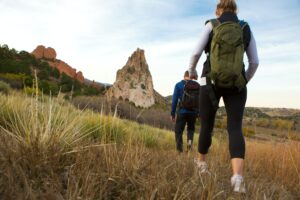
{"type": "Point", "coordinates": [4, 88]}
{"type": "Point", "coordinates": [41, 137]}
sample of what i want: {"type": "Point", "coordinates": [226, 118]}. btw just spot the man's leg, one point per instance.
{"type": "Point", "coordinates": [179, 127]}
{"type": "Point", "coordinates": [191, 119]}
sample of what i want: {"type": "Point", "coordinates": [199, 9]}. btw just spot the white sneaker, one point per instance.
{"type": "Point", "coordinates": [238, 184]}
{"type": "Point", "coordinates": [201, 165]}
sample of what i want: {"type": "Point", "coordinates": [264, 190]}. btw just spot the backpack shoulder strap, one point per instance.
{"type": "Point", "coordinates": [214, 22]}
{"type": "Point", "coordinates": [243, 24]}
{"type": "Point", "coordinates": [184, 85]}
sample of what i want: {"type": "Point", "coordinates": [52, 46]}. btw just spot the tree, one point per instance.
{"type": "Point", "coordinates": [66, 83]}
{"type": "Point", "coordinates": [91, 91]}
{"type": "Point", "coordinates": [55, 73]}
{"type": "Point", "coordinates": [44, 86]}
{"type": "Point", "coordinates": [43, 74]}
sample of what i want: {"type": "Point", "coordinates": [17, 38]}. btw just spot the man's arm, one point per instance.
{"type": "Point", "coordinates": [174, 101]}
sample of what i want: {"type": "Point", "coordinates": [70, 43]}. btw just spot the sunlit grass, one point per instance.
{"type": "Point", "coordinates": [51, 150]}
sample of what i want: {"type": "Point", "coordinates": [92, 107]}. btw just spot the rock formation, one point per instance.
{"type": "Point", "coordinates": [49, 55]}
{"type": "Point", "coordinates": [43, 52]}
{"type": "Point", "coordinates": [134, 82]}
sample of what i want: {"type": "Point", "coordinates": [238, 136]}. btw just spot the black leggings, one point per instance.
{"type": "Point", "coordinates": [234, 101]}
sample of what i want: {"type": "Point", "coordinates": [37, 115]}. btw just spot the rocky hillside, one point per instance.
{"type": "Point", "coordinates": [18, 69]}
{"type": "Point", "coordinates": [49, 55]}
{"type": "Point", "coordinates": [134, 82]}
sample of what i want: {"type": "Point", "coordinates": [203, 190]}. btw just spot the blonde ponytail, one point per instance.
{"type": "Point", "coordinates": [227, 5]}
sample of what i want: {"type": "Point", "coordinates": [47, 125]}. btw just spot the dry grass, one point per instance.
{"type": "Point", "coordinates": [127, 110]}
{"type": "Point", "coordinates": [49, 150]}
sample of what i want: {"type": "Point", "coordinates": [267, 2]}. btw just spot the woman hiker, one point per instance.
{"type": "Point", "coordinates": [225, 40]}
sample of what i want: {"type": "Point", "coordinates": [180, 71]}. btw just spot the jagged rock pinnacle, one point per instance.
{"type": "Point", "coordinates": [134, 81]}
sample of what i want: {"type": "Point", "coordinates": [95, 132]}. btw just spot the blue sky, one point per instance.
{"type": "Point", "coordinates": [98, 36]}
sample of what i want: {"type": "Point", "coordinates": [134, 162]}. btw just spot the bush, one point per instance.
{"type": "Point", "coordinates": [45, 87]}
{"type": "Point", "coordinates": [14, 66]}
{"type": "Point", "coordinates": [30, 91]}
{"type": "Point", "coordinates": [282, 124]}
{"type": "Point", "coordinates": [15, 80]}
{"type": "Point", "coordinates": [90, 91]}
{"type": "Point", "coordinates": [28, 58]}
{"type": "Point", "coordinates": [67, 84]}
{"type": "Point", "coordinates": [4, 88]}
{"type": "Point", "coordinates": [53, 88]}
{"type": "Point", "coordinates": [263, 122]}
{"type": "Point", "coordinates": [28, 81]}
{"type": "Point", "coordinates": [43, 74]}
{"type": "Point", "coordinates": [44, 65]}
{"type": "Point", "coordinates": [248, 132]}
{"type": "Point", "coordinates": [55, 73]}
{"type": "Point", "coordinates": [5, 52]}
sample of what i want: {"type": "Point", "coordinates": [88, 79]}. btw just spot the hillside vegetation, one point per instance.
{"type": "Point", "coordinates": [18, 68]}
{"type": "Point", "coordinates": [50, 150]}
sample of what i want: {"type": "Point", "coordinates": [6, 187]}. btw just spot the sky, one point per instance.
{"type": "Point", "coordinates": [97, 37]}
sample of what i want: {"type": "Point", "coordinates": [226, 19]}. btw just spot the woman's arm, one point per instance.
{"type": "Point", "coordinates": [252, 58]}
{"type": "Point", "coordinates": [199, 49]}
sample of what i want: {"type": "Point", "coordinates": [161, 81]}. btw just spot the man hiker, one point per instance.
{"type": "Point", "coordinates": [186, 95]}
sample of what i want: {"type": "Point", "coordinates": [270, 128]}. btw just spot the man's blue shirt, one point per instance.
{"type": "Point", "coordinates": [177, 94]}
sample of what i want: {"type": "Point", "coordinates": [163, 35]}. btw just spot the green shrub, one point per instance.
{"type": "Point", "coordinates": [30, 91]}
{"type": "Point", "coordinates": [248, 132]}
{"type": "Point", "coordinates": [28, 81]}
{"type": "Point", "coordinates": [54, 88]}
{"type": "Point", "coordinates": [45, 87]}
{"type": "Point", "coordinates": [43, 74]}
{"type": "Point", "coordinates": [14, 80]}
{"type": "Point", "coordinates": [4, 88]}
{"type": "Point", "coordinates": [90, 91]}
{"type": "Point", "coordinates": [44, 65]}
{"type": "Point", "coordinates": [55, 73]}
{"type": "Point", "coordinates": [67, 84]}
{"type": "Point", "coordinates": [10, 65]}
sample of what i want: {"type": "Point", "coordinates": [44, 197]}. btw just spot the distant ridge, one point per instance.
{"type": "Point", "coordinates": [49, 55]}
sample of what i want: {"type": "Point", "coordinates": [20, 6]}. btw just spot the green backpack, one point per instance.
{"type": "Point", "coordinates": [226, 54]}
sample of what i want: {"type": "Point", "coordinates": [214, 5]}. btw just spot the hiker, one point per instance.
{"type": "Point", "coordinates": [225, 40]}
{"type": "Point", "coordinates": [186, 95]}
